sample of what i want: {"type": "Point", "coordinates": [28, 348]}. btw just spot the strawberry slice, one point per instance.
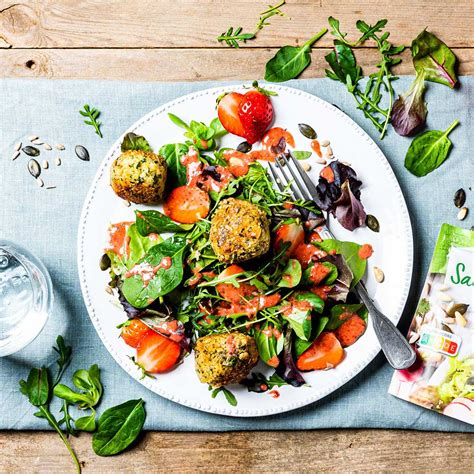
{"type": "Point", "coordinates": [228, 113]}
{"type": "Point", "coordinates": [256, 114]}
{"type": "Point", "coordinates": [157, 354]}
{"type": "Point", "coordinates": [324, 353]}
{"type": "Point", "coordinates": [134, 332]}
{"type": "Point", "coordinates": [349, 331]}
{"type": "Point", "coordinates": [292, 233]}
{"type": "Point", "coordinates": [187, 205]}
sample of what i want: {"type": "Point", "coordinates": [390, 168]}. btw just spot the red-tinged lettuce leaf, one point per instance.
{"type": "Point", "coordinates": [409, 110]}
{"type": "Point", "coordinates": [287, 368]}
{"type": "Point", "coordinates": [349, 211]}
{"type": "Point", "coordinates": [340, 288]}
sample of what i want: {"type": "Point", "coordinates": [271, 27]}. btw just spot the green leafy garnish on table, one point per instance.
{"type": "Point", "coordinates": [229, 396]}
{"type": "Point", "coordinates": [92, 115]}
{"type": "Point", "coordinates": [428, 151]}
{"type": "Point", "coordinates": [344, 68]}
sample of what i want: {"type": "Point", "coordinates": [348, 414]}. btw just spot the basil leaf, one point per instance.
{"type": "Point", "coordinates": [140, 293]}
{"type": "Point", "coordinates": [291, 276]}
{"type": "Point", "coordinates": [119, 426]}
{"type": "Point", "coordinates": [290, 61]}
{"type": "Point", "coordinates": [434, 59]}
{"type": "Point", "coordinates": [36, 386]}
{"type": "Point", "coordinates": [335, 320]}
{"type": "Point", "coordinates": [350, 252]}
{"type": "Point", "coordinates": [301, 155]}
{"type": "Point", "coordinates": [155, 222]}
{"type": "Point", "coordinates": [428, 151]}
{"type": "Point", "coordinates": [132, 141]}
{"type": "Point", "coordinates": [172, 153]}
{"type": "Point", "coordinates": [86, 423]}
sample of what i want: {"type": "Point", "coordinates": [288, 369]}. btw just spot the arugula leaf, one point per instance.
{"type": "Point", "coordinates": [155, 222]}
{"type": "Point", "coordinates": [335, 320]}
{"type": "Point", "coordinates": [291, 275]}
{"type": "Point", "coordinates": [132, 141]}
{"type": "Point", "coordinates": [92, 114]}
{"type": "Point", "coordinates": [350, 252]}
{"type": "Point", "coordinates": [428, 151]}
{"type": "Point", "coordinates": [290, 61]}
{"type": "Point", "coordinates": [172, 153]}
{"type": "Point", "coordinates": [433, 59]}
{"type": "Point", "coordinates": [64, 359]}
{"type": "Point", "coordinates": [229, 396]}
{"type": "Point", "coordinates": [258, 383]}
{"type": "Point", "coordinates": [141, 294]}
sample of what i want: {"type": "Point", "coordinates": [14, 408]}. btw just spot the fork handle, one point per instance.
{"type": "Point", "coordinates": [397, 350]}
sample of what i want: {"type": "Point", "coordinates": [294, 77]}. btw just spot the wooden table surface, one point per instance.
{"type": "Point", "coordinates": [171, 40]}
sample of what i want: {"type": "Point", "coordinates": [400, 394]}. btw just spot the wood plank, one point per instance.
{"type": "Point", "coordinates": [188, 23]}
{"type": "Point", "coordinates": [313, 451]}
{"type": "Point", "coordinates": [174, 65]}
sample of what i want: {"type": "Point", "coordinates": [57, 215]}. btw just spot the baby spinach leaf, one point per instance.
{"type": "Point", "coordinates": [428, 151]}
{"type": "Point", "coordinates": [300, 322]}
{"type": "Point", "coordinates": [331, 278]}
{"type": "Point", "coordinates": [268, 345]}
{"type": "Point", "coordinates": [301, 155]}
{"type": "Point", "coordinates": [335, 318]}
{"type": "Point", "coordinates": [155, 222]}
{"type": "Point", "coordinates": [132, 141]}
{"type": "Point", "coordinates": [86, 423]}
{"type": "Point", "coordinates": [291, 276]}
{"type": "Point", "coordinates": [301, 345]}
{"type": "Point", "coordinates": [433, 59]}
{"type": "Point", "coordinates": [350, 252]}
{"type": "Point", "coordinates": [118, 427]}
{"type": "Point", "coordinates": [159, 280]}
{"type": "Point", "coordinates": [36, 386]}
{"type": "Point", "coordinates": [315, 301]}
{"type": "Point", "coordinates": [290, 61]}
{"type": "Point", "coordinates": [172, 153]}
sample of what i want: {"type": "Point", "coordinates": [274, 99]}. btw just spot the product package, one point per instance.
{"type": "Point", "coordinates": [442, 329]}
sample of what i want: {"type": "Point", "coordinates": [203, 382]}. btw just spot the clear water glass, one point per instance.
{"type": "Point", "coordinates": [26, 297]}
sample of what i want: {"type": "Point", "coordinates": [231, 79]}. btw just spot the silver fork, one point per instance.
{"type": "Point", "coordinates": [396, 348]}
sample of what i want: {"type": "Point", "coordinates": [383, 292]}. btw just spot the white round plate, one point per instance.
{"type": "Point", "coordinates": [381, 196]}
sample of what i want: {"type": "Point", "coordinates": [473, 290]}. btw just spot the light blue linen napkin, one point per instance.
{"type": "Point", "coordinates": [45, 221]}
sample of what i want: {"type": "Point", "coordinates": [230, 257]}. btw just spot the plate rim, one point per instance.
{"type": "Point", "coordinates": [315, 395]}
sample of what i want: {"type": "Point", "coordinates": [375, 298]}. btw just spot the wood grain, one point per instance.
{"type": "Point", "coordinates": [321, 451]}
{"type": "Point", "coordinates": [174, 65]}
{"type": "Point", "coordinates": [188, 23]}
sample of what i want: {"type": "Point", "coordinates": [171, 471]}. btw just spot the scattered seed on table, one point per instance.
{"type": "Point", "coordinates": [15, 155]}
{"type": "Point", "coordinates": [346, 163]}
{"type": "Point", "coordinates": [50, 187]}
{"type": "Point", "coordinates": [459, 198]}
{"type": "Point", "coordinates": [47, 147]}
{"type": "Point", "coordinates": [321, 161]}
{"type": "Point", "coordinates": [329, 151]}
{"type": "Point", "coordinates": [449, 320]}
{"type": "Point", "coordinates": [444, 297]}
{"type": "Point", "coordinates": [414, 337]}
{"type": "Point", "coordinates": [18, 146]}
{"type": "Point", "coordinates": [379, 275]}
{"type": "Point", "coordinates": [462, 213]}
{"type": "Point", "coordinates": [37, 142]}
{"type": "Point", "coordinates": [57, 161]}
{"type": "Point", "coordinates": [307, 131]}
{"type": "Point", "coordinates": [45, 164]}
{"type": "Point", "coordinates": [31, 150]}
{"type": "Point", "coordinates": [372, 223]}
{"type": "Point", "coordinates": [33, 137]}
{"type": "Point", "coordinates": [324, 143]}
{"type": "Point", "coordinates": [443, 287]}
{"type": "Point", "coordinates": [306, 166]}
{"type": "Point", "coordinates": [82, 153]}
{"type": "Point", "coordinates": [59, 146]}
{"type": "Point", "coordinates": [34, 168]}
{"type": "Point", "coordinates": [40, 182]}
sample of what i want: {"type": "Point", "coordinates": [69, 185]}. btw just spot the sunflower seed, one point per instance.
{"type": "Point", "coordinates": [443, 287]}
{"type": "Point", "coordinates": [59, 146]}
{"type": "Point", "coordinates": [31, 150]}
{"type": "Point", "coordinates": [329, 151]}
{"type": "Point", "coordinates": [57, 161]}
{"type": "Point", "coordinates": [413, 338]}
{"type": "Point", "coordinates": [50, 187]}
{"type": "Point", "coordinates": [34, 168]}
{"type": "Point", "coordinates": [379, 275]}
{"type": "Point", "coordinates": [15, 155]}
{"type": "Point", "coordinates": [307, 131]}
{"type": "Point", "coordinates": [126, 203]}
{"type": "Point", "coordinates": [444, 297]}
{"type": "Point", "coordinates": [346, 163]}
{"type": "Point", "coordinates": [82, 153]}
{"type": "Point", "coordinates": [459, 198]}
{"type": "Point", "coordinates": [462, 213]}
{"type": "Point", "coordinates": [321, 161]}
{"type": "Point", "coordinates": [40, 182]}
{"type": "Point", "coordinates": [45, 164]}
{"type": "Point", "coordinates": [324, 143]}
{"type": "Point", "coordinates": [460, 319]}
{"type": "Point", "coordinates": [109, 290]}
{"type": "Point", "coordinates": [244, 147]}
{"type": "Point", "coordinates": [47, 147]}
{"type": "Point", "coordinates": [33, 137]}
{"type": "Point", "coordinates": [427, 289]}
{"type": "Point", "coordinates": [372, 223]}
{"type": "Point", "coordinates": [306, 166]}
{"type": "Point", "coordinates": [449, 320]}
{"type": "Point", "coordinates": [37, 142]}
{"type": "Point", "coordinates": [18, 146]}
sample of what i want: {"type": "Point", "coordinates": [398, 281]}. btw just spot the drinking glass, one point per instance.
{"type": "Point", "coordinates": [26, 297]}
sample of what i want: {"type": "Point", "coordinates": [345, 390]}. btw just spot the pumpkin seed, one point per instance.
{"type": "Point", "coordinates": [47, 147]}
{"type": "Point", "coordinates": [372, 223]}
{"type": "Point", "coordinates": [446, 328]}
{"type": "Point", "coordinates": [18, 146]}
{"type": "Point", "coordinates": [379, 275]}
{"type": "Point", "coordinates": [15, 155]}
{"type": "Point", "coordinates": [104, 263]}
{"type": "Point", "coordinates": [462, 213]}
{"type": "Point", "coordinates": [459, 198]}
{"type": "Point", "coordinates": [460, 308]}
{"type": "Point", "coordinates": [30, 150]}
{"type": "Point", "coordinates": [244, 147]}
{"type": "Point", "coordinates": [59, 146]}
{"type": "Point", "coordinates": [34, 168]}
{"type": "Point", "coordinates": [82, 153]}
{"type": "Point", "coordinates": [307, 131]}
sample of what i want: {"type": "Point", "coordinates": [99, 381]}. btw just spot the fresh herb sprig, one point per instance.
{"type": "Point", "coordinates": [344, 69]}
{"type": "Point", "coordinates": [233, 36]}
{"type": "Point", "coordinates": [92, 115]}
